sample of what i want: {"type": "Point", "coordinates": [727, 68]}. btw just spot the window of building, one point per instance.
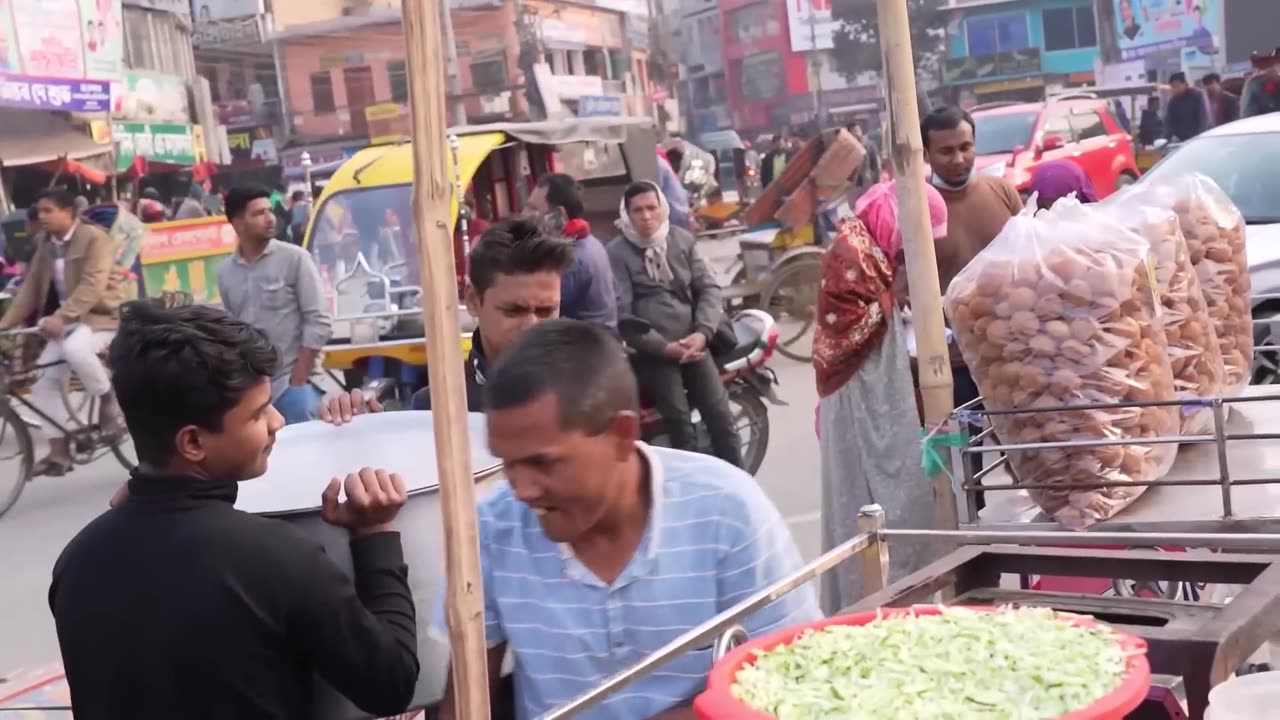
{"type": "Point", "coordinates": [761, 77]}
{"type": "Point", "coordinates": [991, 34]}
{"type": "Point", "coordinates": [1087, 124]}
{"type": "Point", "coordinates": [1069, 28]}
{"type": "Point", "coordinates": [489, 75]}
{"type": "Point", "coordinates": [593, 62]}
{"type": "Point", "coordinates": [398, 78]}
{"type": "Point", "coordinates": [753, 22]}
{"type": "Point", "coordinates": [322, 93]}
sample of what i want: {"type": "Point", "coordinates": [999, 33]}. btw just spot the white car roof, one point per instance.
{"type": "Point", "coordinates": [1269, 123]}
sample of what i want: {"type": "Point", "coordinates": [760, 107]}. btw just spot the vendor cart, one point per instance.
{"type": "Point", "coordinates": [781, 238]}
{"type": "Point", "coordinates": [1192, 647]}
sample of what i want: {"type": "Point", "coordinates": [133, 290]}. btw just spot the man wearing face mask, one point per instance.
{"type": "Point", "coordinates": [978, 206]}
{"type": "Point", "coordinates": [662, 281]}
{"type": "Point", "coordinates": [586, 290]}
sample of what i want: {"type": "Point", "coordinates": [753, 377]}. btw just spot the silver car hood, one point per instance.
{"type": "Point", "coordinates": [1262, 243]}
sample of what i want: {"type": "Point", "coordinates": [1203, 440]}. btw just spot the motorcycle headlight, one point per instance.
{"type": "Point", "coordinates": [994, 169]}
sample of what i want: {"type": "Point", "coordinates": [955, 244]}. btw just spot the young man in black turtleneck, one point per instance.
{"type": "Point", "coordinates": [175, 604]}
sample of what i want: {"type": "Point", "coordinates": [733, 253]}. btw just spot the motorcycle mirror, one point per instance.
{"type": "Point", "coordinates": [634, 326]}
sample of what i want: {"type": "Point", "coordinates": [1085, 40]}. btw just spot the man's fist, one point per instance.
{"type": "Point", "coordinates": [51, 326]}
{"type": "Point", "coordinates": [374, 498]}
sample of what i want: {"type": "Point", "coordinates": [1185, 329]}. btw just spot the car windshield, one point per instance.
{"type": "Point", "coordinates": [1246, 167]}
{"type": "Point", "coordinates": [1002, 132]}
{"type": "Point", "coordinates": [375, 222]}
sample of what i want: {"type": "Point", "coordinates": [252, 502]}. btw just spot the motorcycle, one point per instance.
{"type": "Point", "coordinates": [747, 378]}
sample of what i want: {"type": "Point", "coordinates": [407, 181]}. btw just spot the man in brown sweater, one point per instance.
{"type": "Point", "coordinates": [978, 206]}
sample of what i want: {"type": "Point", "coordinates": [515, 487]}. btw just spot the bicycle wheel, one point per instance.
{"type": "Point", "coordinates": [17, 456]}
{"type": "Point", "coordinates": [792, 298]}
{"type": "Point", "coordinates": [76, 401]}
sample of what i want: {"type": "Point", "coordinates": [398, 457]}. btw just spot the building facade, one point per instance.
{"type": "Point", "coordinates": [767, 82]}
{"type": "Point", "coordinates": [1019, 49]}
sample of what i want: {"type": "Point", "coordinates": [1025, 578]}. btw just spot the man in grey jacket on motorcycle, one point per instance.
{"type": "Point", "coordinates": [663, 282]}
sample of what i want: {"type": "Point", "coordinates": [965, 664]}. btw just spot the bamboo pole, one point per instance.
{"type": "Point", "coordinates": [432, 187]}
{"type": "Point", "coordinates": [907, 157]}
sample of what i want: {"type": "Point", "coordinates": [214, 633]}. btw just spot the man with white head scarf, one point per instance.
{"type": "Point", "coordinates": [661, 280]}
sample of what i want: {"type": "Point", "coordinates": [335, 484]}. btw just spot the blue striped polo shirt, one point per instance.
{"type": "Point", "coordinates": [713, 539]}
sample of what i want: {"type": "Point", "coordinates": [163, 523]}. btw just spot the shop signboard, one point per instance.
{"type": "Point", "coordinates": [215, 10]}
{"type": "Point", "coordinates": [975, 68]}
{"type": "Point", "coordinates": [1144, 27]}
{"type": "Point", "coordinates": [185, 256]}
{"type": "Point", "coordinates": [157, 142]}
{"type": "Point", "coordinates": [600, 106]}
{"type": "Point", "coordinates": [248, 144]}
{"type": "Point", "coordinates": [150, 97]}
{"type": "Point", "coordinates": [60, 54]}
{"type": "Point", "coordinates": [811, 25]}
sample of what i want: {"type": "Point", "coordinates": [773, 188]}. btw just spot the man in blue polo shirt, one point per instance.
{"type": "Point", "coordinates": [600, 549]}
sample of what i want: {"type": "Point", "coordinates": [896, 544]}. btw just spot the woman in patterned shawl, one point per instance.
{"type": "Point", "coordinates": [868, 426]}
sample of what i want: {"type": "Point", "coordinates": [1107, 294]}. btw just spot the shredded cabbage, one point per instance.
{"type": "Point", "coordinates": [1011, 664]}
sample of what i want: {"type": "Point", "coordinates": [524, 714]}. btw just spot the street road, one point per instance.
{"type": "Point", "coordinates": [52, 510]}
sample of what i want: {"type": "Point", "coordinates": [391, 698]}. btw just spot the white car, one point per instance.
{"type": "Point", "coordinates": [1243, 158]}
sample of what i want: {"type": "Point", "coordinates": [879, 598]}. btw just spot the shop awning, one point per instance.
{"type": "Point", "coordinates": [33, 136]}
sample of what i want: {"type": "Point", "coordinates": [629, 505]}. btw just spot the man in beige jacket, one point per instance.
{"type": "Point", "coordinates": [75, 288]}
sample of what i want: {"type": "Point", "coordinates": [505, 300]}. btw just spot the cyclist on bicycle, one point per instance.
{"type": "Point", "coordinates": [76, 289]}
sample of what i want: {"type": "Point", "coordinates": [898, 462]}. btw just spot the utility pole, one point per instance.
{"type": "Point", "coordinates": [452, 73]}
{"type": "Point", "coordinates": [819, 112]}
{"type": "Point", "coordinates": [907, 156]}
{"type": "Point", "coordinates": [433, 189]}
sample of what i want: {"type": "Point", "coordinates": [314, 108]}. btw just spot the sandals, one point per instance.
{"type": "Point", "coordinates": [49, 467]}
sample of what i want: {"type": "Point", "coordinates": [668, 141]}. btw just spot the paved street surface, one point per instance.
{"type": "Point", "coordinates": [52, 510]}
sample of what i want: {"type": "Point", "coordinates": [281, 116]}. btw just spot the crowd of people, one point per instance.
{"type": "Point", "coordinates": [596, 550]}
{"type": "Point", "coordinates": [1189, 110]}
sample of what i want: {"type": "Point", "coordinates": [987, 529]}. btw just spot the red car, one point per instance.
{"type": "Point", "coordinates": [1012, 138]}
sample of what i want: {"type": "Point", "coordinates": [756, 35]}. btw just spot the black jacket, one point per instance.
{"type": "Point", "coordinates": [473, 372]}
{"type": "Point", "coordinates": [177, 605]}
{"type": "Point", "coordinates": [1186, 116]}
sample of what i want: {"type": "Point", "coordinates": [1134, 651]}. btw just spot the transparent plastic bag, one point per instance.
{"type": "Point", "coordinates": [1214, 231]}
{"type": "Point", "coordinates": [1060, 311]}
{"type": "Point", "coordinates": [1195, 353]}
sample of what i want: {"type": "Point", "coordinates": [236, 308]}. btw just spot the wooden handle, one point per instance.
{"type": "Point", "coordinates": [432, 190]}
{"type": "Point", "coordinates": [907, 157]}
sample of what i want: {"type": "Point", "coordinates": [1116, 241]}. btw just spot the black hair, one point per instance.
{"type": "Point", "coordinates": [239, 197]}
{"type": "Point", "coordinates": [298, 196]}
{"type": "Point", "coordinates": [562, 192]}
{"type": "Point", "coordinates": [1211, 78]}
{"type": "Point", "coordinates": [515, 247]}
{"type": "Point", "coordinates": [33, 213]}
{"type": "Point", "coordinates": [180, 366]}
{"type": "Point", "coordinates": [943, 119]}
{"type": "Point", "coordinates": [579, 362]}
{"type": "Point", "coordinates": [638, 188]}
{"type": "Point", "coordinates": [60, 197]}
{"type": "Point", "coordinates": [1178, 77]}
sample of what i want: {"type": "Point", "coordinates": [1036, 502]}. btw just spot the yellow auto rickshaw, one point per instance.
{"type": "Point", "coordinates": [362, 239]}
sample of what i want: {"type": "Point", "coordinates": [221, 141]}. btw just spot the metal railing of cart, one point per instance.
{"type": "Point", "coordinates": [871, 546]}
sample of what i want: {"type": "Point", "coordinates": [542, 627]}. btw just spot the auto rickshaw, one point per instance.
{"type": "Point", "coordinates": [362, 238]}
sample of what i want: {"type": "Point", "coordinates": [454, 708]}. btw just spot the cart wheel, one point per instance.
{"type": "Point", "coordinates": [791, 296]}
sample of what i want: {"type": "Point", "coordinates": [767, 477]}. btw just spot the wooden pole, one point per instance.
{"type": "Point", "coordinates": [907, 157]}
{"type": "Point", "coordinates": [432, 188]}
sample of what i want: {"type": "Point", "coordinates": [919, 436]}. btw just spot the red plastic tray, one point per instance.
{"type": "Point", "coordinates": [718, 703]}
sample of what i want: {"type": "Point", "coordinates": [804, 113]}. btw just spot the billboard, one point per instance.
{"type": "Point", "coordinates": [1144, 27]}
{"type": "Point", "coordinates": [60, 54]}
{"type": "Point", "coordinates": [811, 25]}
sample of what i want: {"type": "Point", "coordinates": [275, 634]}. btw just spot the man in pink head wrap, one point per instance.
{"type": "Point", "coordinates": [869, 427]}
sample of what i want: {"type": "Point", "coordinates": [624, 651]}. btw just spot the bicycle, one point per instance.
{"type": "Point", "coordinates": [16, 444]}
